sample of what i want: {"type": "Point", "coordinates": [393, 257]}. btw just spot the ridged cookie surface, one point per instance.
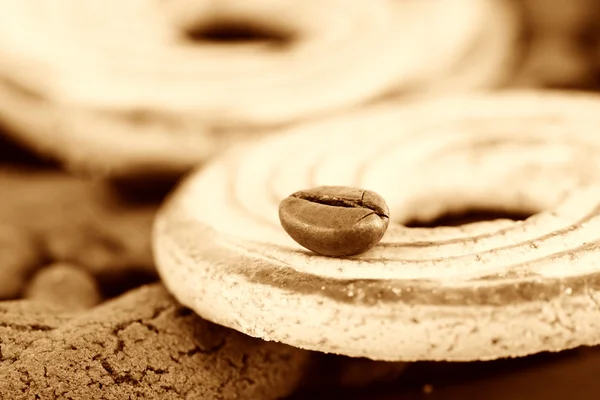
{"type": "Point", "coordinates": [482, 290]}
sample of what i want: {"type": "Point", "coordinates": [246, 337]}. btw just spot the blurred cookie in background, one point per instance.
{"type": "Point", "coordinates": [151, 88]}
{"type": "Point", "coordinates": [20, 255]}
{"type": "Point", "coordinates": [49, 216]}
{"type": "Point", "coordinates": [489, 54]}
{"type": "Point", "coordinates": [563, 43]}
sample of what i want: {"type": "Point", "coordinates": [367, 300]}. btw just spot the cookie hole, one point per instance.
{"type": "Point", "coordinates": [239, 31]}
{"type": "Point", "coordinates": [469, 216]}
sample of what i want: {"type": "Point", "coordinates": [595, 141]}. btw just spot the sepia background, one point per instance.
{"type": "Point", "coordinates": [105, 106]}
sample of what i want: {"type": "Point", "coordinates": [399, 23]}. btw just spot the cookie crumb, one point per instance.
{"type": "Point", "coordinates": [64, 285]}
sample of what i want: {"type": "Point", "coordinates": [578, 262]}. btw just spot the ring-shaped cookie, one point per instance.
{"type": "Point", "coordinates": [483, 290]}
{"type": "Point", "coordinates": [117, 88]}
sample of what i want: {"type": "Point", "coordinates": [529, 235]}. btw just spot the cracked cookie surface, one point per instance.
{"type": "Point", "coordinates": [142, 345]}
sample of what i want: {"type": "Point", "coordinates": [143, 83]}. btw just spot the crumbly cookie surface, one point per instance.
{"type": "Point", "coordinates": [142, 345]}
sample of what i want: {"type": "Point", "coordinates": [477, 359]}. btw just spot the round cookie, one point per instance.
{"type": "Point", "coordinates": [563, 37]}
{"type": "Point", "coordinates": [66, 286]}
{"type": "Point", "coordinates": [159, 92]}
{"type": "Point", "coordinates": [483, 290]}
{"type": "Point", "coordinates": [140, 345]}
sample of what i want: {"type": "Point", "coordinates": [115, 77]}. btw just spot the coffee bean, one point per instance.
{"type": "Point", "coordinates": [335, 220]}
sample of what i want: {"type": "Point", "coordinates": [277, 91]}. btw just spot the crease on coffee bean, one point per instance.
{"type": "Point", "coordinates": [365, 216]}
{"type": "Point", "coordinates": [336, 201]}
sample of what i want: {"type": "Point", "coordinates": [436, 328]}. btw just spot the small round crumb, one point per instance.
{"type": "Point", "coordinates": [65, 285]}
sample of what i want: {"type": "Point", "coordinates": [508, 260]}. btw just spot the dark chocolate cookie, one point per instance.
{"type": "Point", "coordinates": [142, 345]}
